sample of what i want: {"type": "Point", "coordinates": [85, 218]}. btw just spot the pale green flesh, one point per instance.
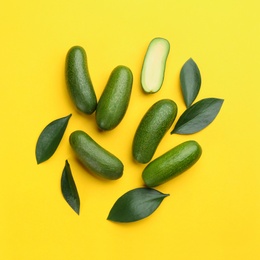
{"type": "Point", "coordinates": [154, 65]}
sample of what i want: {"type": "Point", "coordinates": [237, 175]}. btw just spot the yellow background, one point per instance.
{"type": "Point", "coordinates": [213, 211]}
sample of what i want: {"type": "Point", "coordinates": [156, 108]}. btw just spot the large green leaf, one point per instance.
{"type": "Point", "coordinates": [198, 116]}
{"type": "Point", "coordinates": [190, 81]}
{"type": "Point", "coordinates": [69, 189]}
{"type": "Point", "coordinates": [136, 204]}
{"type": "Point", "coordinates": [50, 138]}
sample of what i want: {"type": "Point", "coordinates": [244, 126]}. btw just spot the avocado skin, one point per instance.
{"type": "Point", "coordinates": [152, 128]}
{"type": "Point", "coordinates": [115, 98]}
{"type": "Point", "coordinates": [78, 81]}
{"type": "Point", "coordinates": [95, 158]}
{"type": "Point", "coordinates": [172, 163]}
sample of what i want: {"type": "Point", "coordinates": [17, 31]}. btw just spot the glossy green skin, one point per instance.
{"type": "Point", "coordinates": [95, 158]}
{"type": "Point", "coordinates": [172, 163]}
{"type": "Point", "coordinates": [152, 128]}
{"type": "Point", "coordinates": [78, 81]}
{"type": "Point", "coordinates": [115, 98]}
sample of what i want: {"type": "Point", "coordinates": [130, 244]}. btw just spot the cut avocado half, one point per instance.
{"type": "Point", "coordinates": [154, 64]}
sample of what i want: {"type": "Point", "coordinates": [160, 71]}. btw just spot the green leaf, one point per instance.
{"type": "Point", "coordinates": [136, 204]}
{"type": "Point", "coordinates": [50, 138]}
{"type": "Point", "coordinates": [190, 81]}
{"type": "Point", "coordinates": [198, 116]}
{"type": "Point", "coordinates": [69, 189]}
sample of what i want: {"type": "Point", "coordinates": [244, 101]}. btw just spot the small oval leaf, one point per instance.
{"type": "Point", "coordinates": [136, 204]}
{"type": "Point", "coordinates": [198, 116]}
{"type": "Point", "coordinates": [69, 189]}
{"type": "Point", "coordinates": [190, 81]}
{"type": "Point", "coordinates": [50, 138]}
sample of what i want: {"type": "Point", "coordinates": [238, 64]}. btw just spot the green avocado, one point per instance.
{"type": "Point", "coordinates": [115, 98]}
{"type": "Point", "coordinates": [154, 64]}
{"type": "Point", "coordinates": [78, 81]}
{"type": "Point", "coordinates": [152, 128]}
{"type": "Point", "coordinates": [171, 163]}
{"type": "Point", "coordinates": [95, 158]}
